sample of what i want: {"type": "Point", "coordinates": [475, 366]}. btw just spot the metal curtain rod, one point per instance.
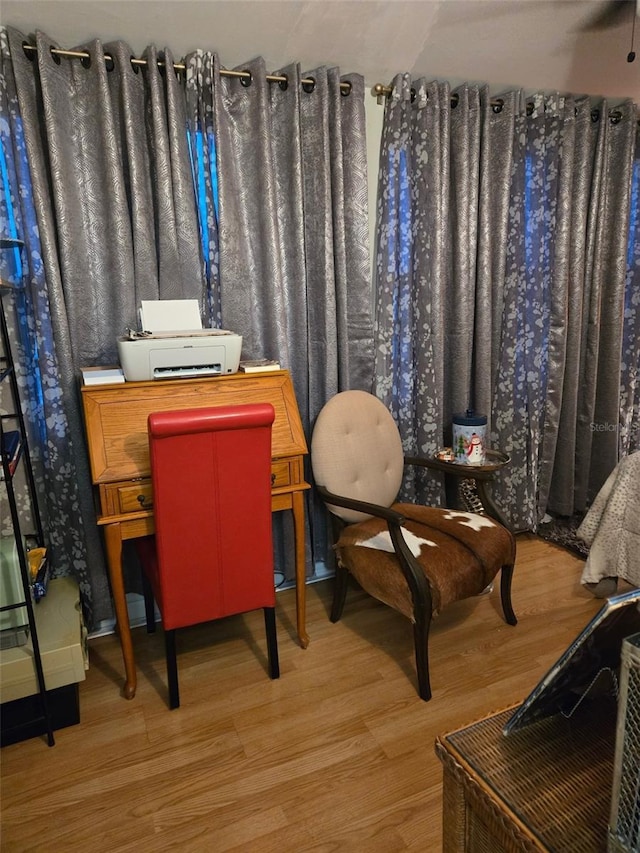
{"type": "Point", "coordinates": [345, 87]}
{"type": "Point", "coordinates": [380, 91]}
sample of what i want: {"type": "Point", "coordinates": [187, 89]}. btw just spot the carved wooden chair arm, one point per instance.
{"type": "Point", "coordinates": [360, 506]}
{"type": "Point", "coordinates": [411, 569]}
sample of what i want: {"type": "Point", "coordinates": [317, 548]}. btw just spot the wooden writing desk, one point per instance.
{"type": "Point", "coordinates": [116, 426]}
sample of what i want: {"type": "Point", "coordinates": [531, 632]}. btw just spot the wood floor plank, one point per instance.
{"type": "Point", "coordinates": [336, 755]}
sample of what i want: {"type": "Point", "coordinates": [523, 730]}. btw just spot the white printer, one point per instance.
{"type": "Point", "coordinates": [173, 345]}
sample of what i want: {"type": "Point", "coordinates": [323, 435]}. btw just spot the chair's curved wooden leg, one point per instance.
{"type": "Point", "coordinates": [506, 576]}
{"type": "Point", "coordinates": [421, 641]}
{"type": "Point", "coordinates": [172, 668]}
{"type": "Point", "coordinates": [272, 641]}
{"type": "Point", "coordinates": [340, 584]}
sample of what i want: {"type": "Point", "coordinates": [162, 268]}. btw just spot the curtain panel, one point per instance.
{"type": "Point", "coordinates": [590, 402]}
{"type": "Point", "coordinates": [442, 218]}
{"type": "Point", "coordinates": [290, 220]}
{"type": "Point", "coordinates": [115, 222]}
{"type": "Point", "coordinates": [630, 365]}
{"type": "Point", "coordinates": [504, 284]}
{"type": "Point", "coordinates": [44, 371]}
{"type": "Point", "coordinates": [146, 184]}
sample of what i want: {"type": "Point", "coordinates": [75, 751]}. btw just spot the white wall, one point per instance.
{"type": "Point", "coordinates": [535, 44]}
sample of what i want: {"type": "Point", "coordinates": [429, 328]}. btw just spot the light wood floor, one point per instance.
{"type": "Point", "coordinates": [337, 755]}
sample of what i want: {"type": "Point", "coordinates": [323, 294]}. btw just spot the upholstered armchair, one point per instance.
{"type": "Point", "coordinates": [212, 553]}
{"type": "Point", "coordinates": [416, 559]}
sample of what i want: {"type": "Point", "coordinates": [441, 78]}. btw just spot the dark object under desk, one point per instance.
{"type": "Point", "coordinates": [546, 787]}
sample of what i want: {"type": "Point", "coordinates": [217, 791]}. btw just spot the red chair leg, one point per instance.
{"type": "Point", "coordinates": [172, 668]}
{"type": "Point", "coordinates": [272, 641]}
{"type": "Point", "coordinates": [149, 605]}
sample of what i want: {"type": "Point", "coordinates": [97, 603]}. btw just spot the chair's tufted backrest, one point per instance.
{"type": "Point", "coordinates": [356, 451]}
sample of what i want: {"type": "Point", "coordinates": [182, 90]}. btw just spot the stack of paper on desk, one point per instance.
{"type": "Point", "coordinates": [170, 315]}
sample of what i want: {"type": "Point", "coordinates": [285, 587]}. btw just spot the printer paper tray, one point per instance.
{"type": "Point", "coordinates": [187, 372]}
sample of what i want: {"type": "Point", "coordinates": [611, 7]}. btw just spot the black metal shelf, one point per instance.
{"type": "Point", "coordinates": [7, 372]}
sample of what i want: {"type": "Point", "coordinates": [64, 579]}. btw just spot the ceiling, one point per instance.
{"type": "Point", "coordinates": [534, 44]}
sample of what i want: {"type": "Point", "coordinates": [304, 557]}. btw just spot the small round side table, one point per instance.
{"type": "Point", "coordinates": [482, 475]}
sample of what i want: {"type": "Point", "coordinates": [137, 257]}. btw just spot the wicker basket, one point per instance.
{"type": "Point", "coordinates": [624, 823]}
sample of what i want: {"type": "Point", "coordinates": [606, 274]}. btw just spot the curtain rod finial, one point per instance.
{"type": "Point", "coordinates": [380, 91]}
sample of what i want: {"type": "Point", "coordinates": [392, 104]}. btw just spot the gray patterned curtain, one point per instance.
{"type": "Point", "coordinates": [594, 397]}
{"type": "Point", "coordinates": [533, 332]}
{"type": "Point", "coordinates": [38, 320]}
{"type": "Point", "coordinates": [630, 363]}
{"type": "Point", "coordinates": [111, 154]}
{"type": "Point", "coordinates": [293, 268]}
{"type": "Point", "coordinates": [442, 214]}
{"type": "Point", "coordinates": [115, 223]}
{"type": "Point", "coordinates": [502, 276]}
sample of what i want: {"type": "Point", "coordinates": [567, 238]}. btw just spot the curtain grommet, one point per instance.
{"type": "Point", "coordinates": [283, 85]}
{"type": "Point", "coordinates": [247, 79]}
{"type": "Point", "coordinates": [345, 88]}
{"type": "Point", "coordinates": [309, 85]}
{"type": "Point", "coordinates": [497, 106]}
{"type": "Point", "coordinates": [54, 56]}
{"type": "Point", "coordinates": [85, 61]}
{"type": "Point", "coordinates": [109, 64]}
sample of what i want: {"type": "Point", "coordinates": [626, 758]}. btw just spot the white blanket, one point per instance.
{"type": "Point", "coordinates": [612, 526]}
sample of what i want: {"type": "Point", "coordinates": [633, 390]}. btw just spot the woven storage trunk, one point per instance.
{"type": "Point", "coordinates": [624, 824]}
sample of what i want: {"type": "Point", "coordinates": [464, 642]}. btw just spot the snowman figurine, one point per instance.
{"type": "Point", "coordinates": [475, 451]}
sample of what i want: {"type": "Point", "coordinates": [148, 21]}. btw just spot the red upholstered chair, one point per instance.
{"type": "Point", "coordinates": [212, 553]}
{"type": "Point", "coordinates": [416, 559]}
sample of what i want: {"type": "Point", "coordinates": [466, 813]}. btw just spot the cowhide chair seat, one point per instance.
{"type": "Point", "coordinates": [416, 559]}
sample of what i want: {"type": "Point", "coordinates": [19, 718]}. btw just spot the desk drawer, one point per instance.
{"type": "Point", "coordinates": [136, 495]}
{"type": "Point", "coordinates": [130, 496]}
{"type": "Point", "coordinates": [280, 474]}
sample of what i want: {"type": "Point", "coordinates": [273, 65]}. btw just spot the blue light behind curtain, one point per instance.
{"type": "Point", "coordinates": [12, 270]}
{"type": "Point", "coordinates": [35, 350]}
{"type": "Point", "coordinates": [204, 167]}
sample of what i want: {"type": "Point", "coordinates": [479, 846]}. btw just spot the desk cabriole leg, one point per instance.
{"type": "Point", "coordinates": [301, 590]}
{"type": "Point", "coordinates": [113, 542]}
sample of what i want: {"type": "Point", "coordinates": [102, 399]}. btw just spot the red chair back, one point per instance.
{"type": "Point", "coordinates": [211, 474]}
